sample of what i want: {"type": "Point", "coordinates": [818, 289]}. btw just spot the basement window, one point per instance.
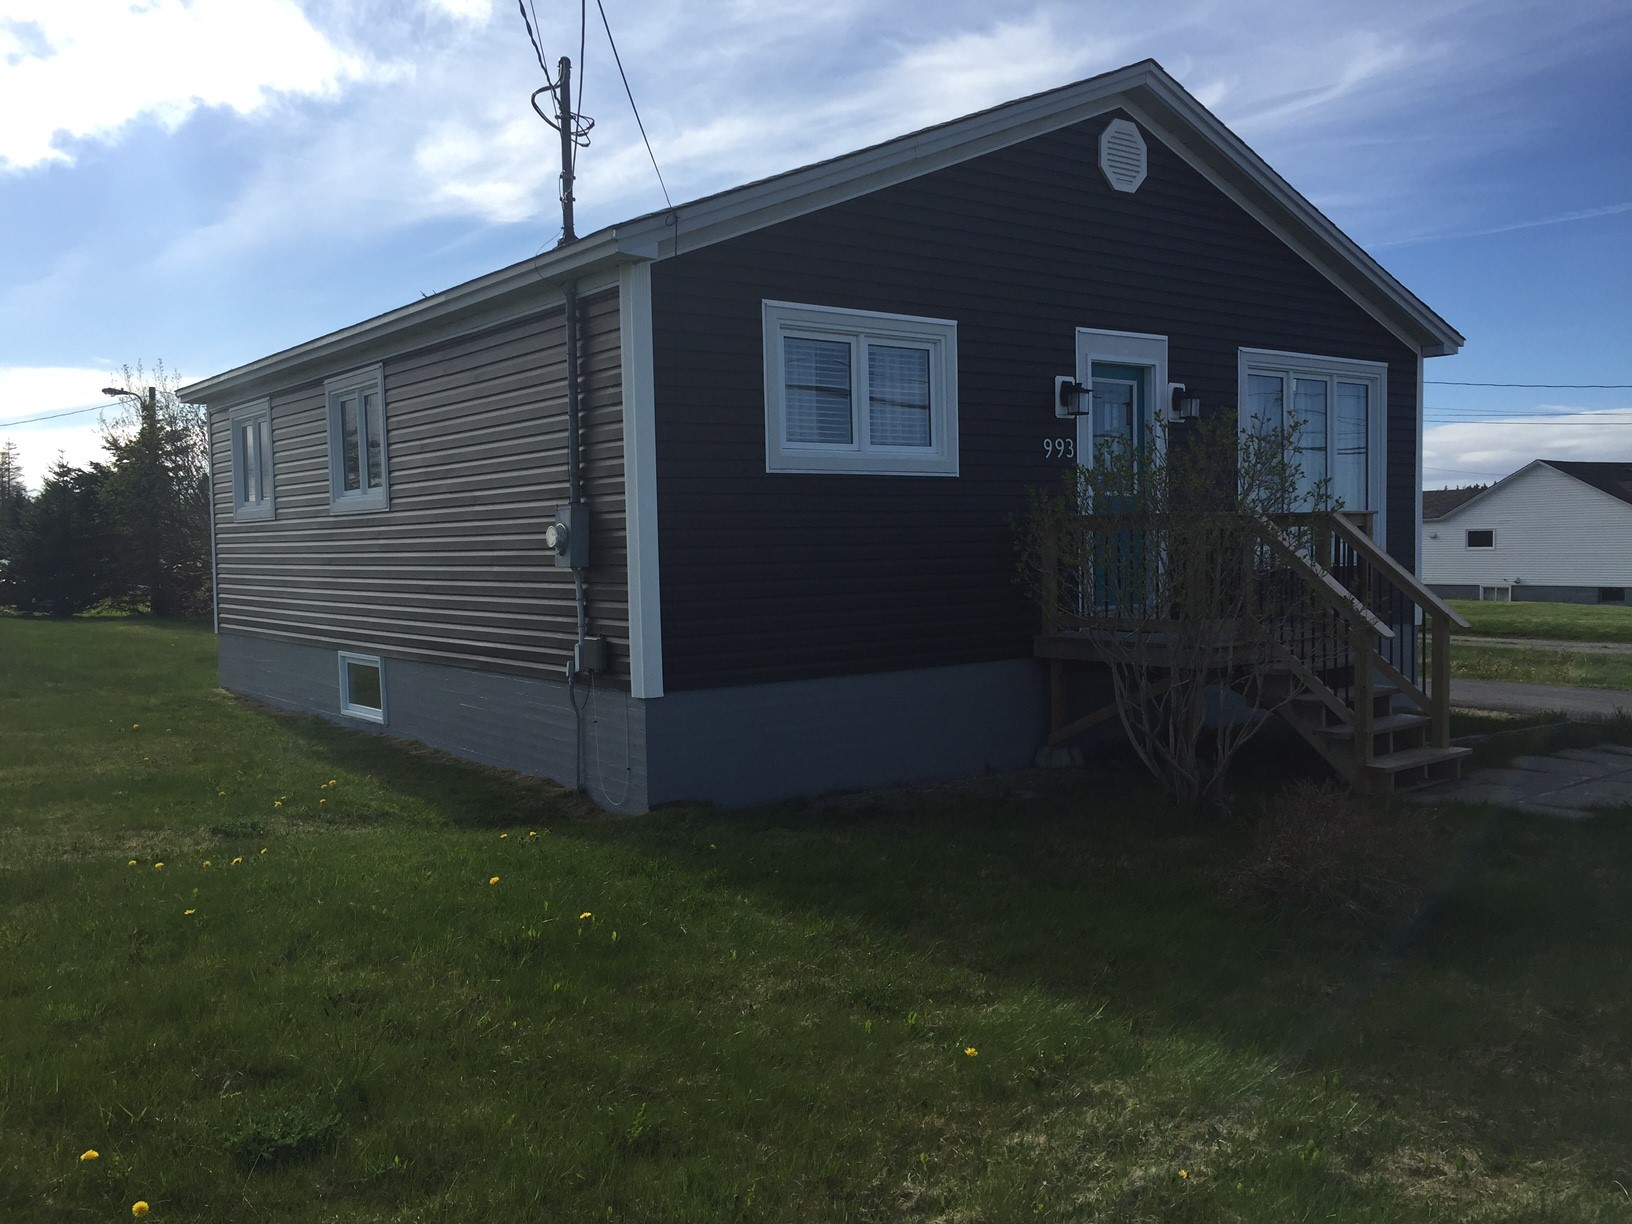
{"type": "Point", "coordinates": [1482, 539]}
{"type": "Point", "coordinates": [1611, 594]}
{"type": "Point", "coordinates": [1498, 594]}
{"type": "Point", "coordinates": [362, 686]}
{"type": "Point", "coordinates": [858, 391]}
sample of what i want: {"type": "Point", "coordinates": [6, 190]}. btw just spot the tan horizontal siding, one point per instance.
{"type": "Point", "coordinates": [456, 571]}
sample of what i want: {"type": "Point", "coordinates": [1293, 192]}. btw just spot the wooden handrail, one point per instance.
{"type": "Point", "coordinates": [1343, 600]}
{"type": "Point", "coordinates": [1398, 574]}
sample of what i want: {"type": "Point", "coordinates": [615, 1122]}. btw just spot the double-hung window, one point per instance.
{"type": "Point", "coordinates": [251, 429]}
{"type": "Point", "coordinates": [359, 471]}
{"type": "Point", "coordinates": [1334, 408]}
{"type": "Point", "coordinates": [859, 391]}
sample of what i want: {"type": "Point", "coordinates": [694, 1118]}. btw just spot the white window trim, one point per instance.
{"type": "Point", "coordinates": [347, 706]}
{"type": "Point", "coordinates": [939, 336]}
{"type": "Point", "coordinates": [258, 415]}
{"type": "Point", "coordinates": [342, 501]}
{"type": "Point", "coordinates": [1468, 531]}
{"type": "Point", "coordinates": [1349, 369]}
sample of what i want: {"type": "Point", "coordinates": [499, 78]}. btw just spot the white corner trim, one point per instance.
{"type": "Point", "coordinates": [640, 480]}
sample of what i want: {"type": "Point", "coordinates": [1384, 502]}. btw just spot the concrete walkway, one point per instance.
{"type": "Point", "coordinates": [1509, 698]}
{"type": "Point", "coordinates": [1573, 783]}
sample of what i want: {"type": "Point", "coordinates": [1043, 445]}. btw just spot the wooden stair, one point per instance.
{"type": "Point", "coordinates": [1400, 756]}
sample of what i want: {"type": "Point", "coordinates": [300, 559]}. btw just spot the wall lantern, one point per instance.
{"type": "Point", "coordinates": [1072, 398]}
{"type": "Point", "coordinates": [1183, 407]}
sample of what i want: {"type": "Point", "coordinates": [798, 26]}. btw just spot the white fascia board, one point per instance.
{"type": "Point", "coordinates": [521, 289]}
{"type": "Point", "coordinates": [1145, 91]}
{"type": "Point", "coordinates": [1227, 162]}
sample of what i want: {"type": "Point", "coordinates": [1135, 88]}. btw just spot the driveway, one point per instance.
{"type": "Point", "coordinates": [1510, 698]}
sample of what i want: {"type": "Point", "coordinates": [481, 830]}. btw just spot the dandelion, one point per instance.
{"type": "Point", "coordinates": [263, 849]}
{"type": "Point", "coordinates": [89, 1154]}
{"type": "Point", "coordinates": [532, 834]}
{"type": "Point", "coordinates": [188, 913]}
{"type": "Point", "coordinates": [239, 861]}
{"type": "Point", "coordinates": [585, 916]}
{"type": "Point", "coordinates": [220, 794]}
{"type": "Point", "coordinates": [712, 846]}
{"type": "Point", "coordinates": [277, 803]}
{"type": "Point", "coordinates": [970, 1051]}
{"type": "Point", "coordinates": [135, 726]}
{"type": "Point", "coordinates": [139, 1208]}
{"type": "Point", "coordinates": [158, 866]}
{"type": "Point", "coordinates": [322, 800]}
{"type": "Point", "coordinates": [504, 836]}
{"type": "Point", "coordinates": [206, 862]}
{"type": "Point", "coordinates": [492, 879]}
{"type": "Point", "coordinates": [1185, 1173]}
{"type": "Point", "coordinates": [132, 863]}
{"type": "Point", "coordinates": [333, 782]}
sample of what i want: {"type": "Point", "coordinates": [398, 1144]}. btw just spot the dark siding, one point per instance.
{"type": "Point", "coordinates": [456, 571]}
{"type": "Point", "coordinates": [775, 577]}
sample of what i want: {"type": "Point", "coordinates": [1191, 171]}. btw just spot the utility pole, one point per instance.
{"type": "Point", "coordinates": [150, 491]}
{"type": "Point", "coordinates": [569, 128]}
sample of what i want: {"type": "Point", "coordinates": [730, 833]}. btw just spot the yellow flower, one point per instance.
{"type": "Point", "coordinates": [263, 849]}
{"type": "Point", "coordinates": [322, 800]}
{"type": "Point", "coordinates": [238, 862]}
{"type": "Point", "coordinates": [132, 863]}
{"type": "Point", "coordinates": [220, 794]}
{"type": "Point", "coordinates": [333, 782]}
{"type": "Point", "coordinates": [532, 834]}
{"type": "Point", "coordinates": [503, 836]}
{"type": "Point", "coordinates": [206, 862]}
{"type": "Point", "coordinates": [277, 803]}
{"type": "Point", "coordinates": [712, 846]}
{"type": "Point", "coordinates": [135, 726]}
{"type": "Point", "coordinates": [139, 1208]}
{"type": "Point", "coordinates": [970, 1051]}
{"type": "Point", "coordinates": [1185, 1173]}
{"type": "Point", "coordinates": [158, 866]}
{"type": "Point", "coordinates": [188, 913]}
{"type": "Point", "coordinates": [585, 916]}
{"type": "Point", "coordinates": [492, 879]}
{"type": "Point", "coordinates": [89, 1154]}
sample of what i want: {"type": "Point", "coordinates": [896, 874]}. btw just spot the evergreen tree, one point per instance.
{"type": "Point", "coordinates": [62, 557]}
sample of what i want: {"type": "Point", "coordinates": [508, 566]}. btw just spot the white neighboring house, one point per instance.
{"type": "Point", "coordinates": [1552, 532]}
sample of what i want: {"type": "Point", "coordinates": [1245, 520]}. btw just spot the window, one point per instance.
{"type": "Point", "coordinates": [1482, 539]}
{"type": "Point", "coordinates": [362, 686]}
{"type": "Point", "coordinates": [251, 428]}
{"type": "Point", "coordinates": [1499, 594]}
{"type": "Point", "coordinates": [1336, 406]}
{"type": "Point", "coordinates": [358, 468]}
{"type": "Point", "coordinates": [1611, 594]}
{"type": "Point", "coordinates": [856, 391]}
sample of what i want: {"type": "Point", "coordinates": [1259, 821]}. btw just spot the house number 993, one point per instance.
{"type": "Point", "coordinates": [1059, 448]}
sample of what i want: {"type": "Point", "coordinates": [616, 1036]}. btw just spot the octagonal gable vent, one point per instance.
{"type": "Point", "coordinates": [1122, 155]}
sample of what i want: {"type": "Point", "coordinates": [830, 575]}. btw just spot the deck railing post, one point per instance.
{"type": "Point", "coordinates": [1440, 696]}
{"type": "Point", "coordinates": [1362, 648]}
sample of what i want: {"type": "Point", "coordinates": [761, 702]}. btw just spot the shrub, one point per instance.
{"type": "Point", "coordinates": [1317, 848]}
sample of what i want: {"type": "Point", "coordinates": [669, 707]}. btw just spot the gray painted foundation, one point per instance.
{"type": "Point", "coordinates": [732, 746]}
{"type": "Point", "coordinates": [512, 722]}
{"type": "Point", "coordinates": [763, 742]}
{"type": "Point", "coordinates": [1525, 593]}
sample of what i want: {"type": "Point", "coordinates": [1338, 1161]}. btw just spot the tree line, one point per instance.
{"type": "Point", "coordinates": [128, 532]}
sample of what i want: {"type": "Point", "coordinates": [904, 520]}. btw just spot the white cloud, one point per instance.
{"type": "Point", "coordinates": [43, 391]}
{"type": "Point", "coordinates": [1488, 450]}
{"type": "Point", "coordinates": [83, 70]}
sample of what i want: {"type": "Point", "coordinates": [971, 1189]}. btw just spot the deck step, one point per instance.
{"type": "Point", "coordinates": [1380, 726]}
{"type": "Point", "coordinates": [1416, 758]}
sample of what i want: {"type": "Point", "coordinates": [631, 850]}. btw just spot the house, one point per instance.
{"type": "Point", "coordinates": [756, 540]}
{"type": "Point", "coordinates": [1552, 532]}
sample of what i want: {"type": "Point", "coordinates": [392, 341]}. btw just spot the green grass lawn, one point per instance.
{"type": "Point", "coordinates": [1525, 666]}
{"type": "Point", "coordinates": [361, 989]}
{"type": "Point", "coordinates": [1555, 621]}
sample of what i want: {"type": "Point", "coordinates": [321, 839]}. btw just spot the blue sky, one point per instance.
{"type": "Point", "coordinates": [203, 182]}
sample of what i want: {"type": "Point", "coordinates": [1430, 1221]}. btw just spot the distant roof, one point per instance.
{"type": "Point", "coordinates": [1437, 503]}
{"type": "Point", "coordinates": [1613, 478]}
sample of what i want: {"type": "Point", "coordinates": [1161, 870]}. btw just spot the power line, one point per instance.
{"type": "Point", "coordinates": [618, 59]}
{"type": "Point", "coordinates": [1435, 382]}
{"type": "Point", "coordinates": [533, 38]}
{"type": "Point", "coordinates": [51, 416]}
